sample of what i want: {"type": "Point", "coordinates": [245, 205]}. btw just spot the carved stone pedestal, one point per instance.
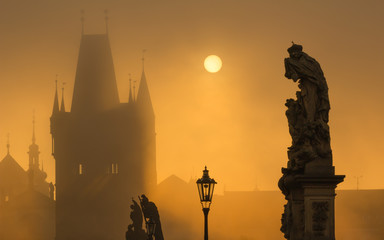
{"type": "Point", "coordinates": [309, 212]}
{"type": "Point", "coordinates": [319, 208]}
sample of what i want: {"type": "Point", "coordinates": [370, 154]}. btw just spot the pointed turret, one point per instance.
{"type": "Point", "coordinates": [62, 107]}
{"type": "Point", "coordinates": [55, 101]}
{"type": "Point", "coordinates": [33, 150]}
{"type": "Point", "coordinates": [95, 87]}
{"type": "Point", "coordinates": [143, 96]}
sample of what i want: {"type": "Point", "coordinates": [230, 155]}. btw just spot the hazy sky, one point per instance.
{"type": "Point", "coordinates": [232, 121]}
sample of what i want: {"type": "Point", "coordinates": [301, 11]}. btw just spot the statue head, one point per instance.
{"type": "Point", "coordinates": [144, 198]}
{"type": "Point", "coordinates": [295, 50]}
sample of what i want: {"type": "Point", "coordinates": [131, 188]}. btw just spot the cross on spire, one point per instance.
{"type": "Point", "coordinates": [143, 58]}
{"type": "Point", "coordinates": [130, 90]}
{"type": "Point", "coordinates": [33, 127]}
{"type": "Point", "coordinates": [8, 143]}
{"type": "Point", "coordinates": [106, 20]}
{"type": "Point", "coordinates": [82, 21]}
{"type": "Point", "coordinates": [57, 76]}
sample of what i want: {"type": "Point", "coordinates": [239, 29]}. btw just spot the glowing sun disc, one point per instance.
{"type": "Point", "coordinates": [212, 63]}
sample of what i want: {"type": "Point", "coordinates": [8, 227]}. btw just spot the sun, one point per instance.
{"type": "Point", "coordinates": [212, 63]}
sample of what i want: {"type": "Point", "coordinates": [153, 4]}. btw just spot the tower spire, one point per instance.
{"type": "Point", "coordinates": [95, 87]}
{"type": "Point", "coordinates": [56, 100]}
{"type": "Point", "coordinates": [143, 96]}
{"type": "Point", "coordinates": [106, 20]}
{"type": "Point", "coordinates": [130, 90]}
{"type": "Point", "coordinates": [134, 90]}
{"type": "Point", "coordinates": [8, 143]}
{"type": "Point", "coordinates": [33, 129]}
{"type": "Point", "coordinates": [82, 21]}
{"type": "Point", "coordinates": [62, 108]}
{"type": "Point", "coordinates": [143, 59]}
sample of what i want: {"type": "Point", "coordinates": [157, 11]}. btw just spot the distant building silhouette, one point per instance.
{"type": "Point", "coordinates": [14, 180]}
{"type": "Point", "coordinates": [104, 149]}
{"type": "Point", "coordinates": [26, 210]}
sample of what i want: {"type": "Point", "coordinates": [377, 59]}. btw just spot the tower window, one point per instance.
{"type": "Point", "coordinates": [115, 168]}
{"type": "Point", "coordinates": [81, 170]}
{"type": "Point", "coordinates": [6, 198]}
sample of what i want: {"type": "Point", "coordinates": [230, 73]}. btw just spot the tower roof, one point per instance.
{"type": "Point", "coordinates": [11, 172]}
{"type": "Point", "coordinates": [55, 101]}
{"type": "Point", "coordinates": [143, 96]}
{"type": "Point", "coordinates": [95, 83]}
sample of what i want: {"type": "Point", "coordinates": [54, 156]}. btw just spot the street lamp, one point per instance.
{"type": "Point", "coordinates": [150, 225]}
{"type": "Point", "coordinates": [205, 185]}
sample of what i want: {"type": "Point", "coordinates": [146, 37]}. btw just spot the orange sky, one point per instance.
{"type": "Point", "coordinates": [233, 121]}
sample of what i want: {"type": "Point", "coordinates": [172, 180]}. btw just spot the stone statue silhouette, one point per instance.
{"type": "Point", "coordinates": [310, 155]}
{"type": "Point", "coordinates": [135, 230]}
{"type": "Point", "coordinates": [314, 89]}
{"type": "Point", "coordinates": [150, 213]}
{"type": "Point", "coordinates": [308, 114]}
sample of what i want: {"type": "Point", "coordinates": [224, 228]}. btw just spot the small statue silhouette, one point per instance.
{"type": "Point", "coordinates": [136, 215]}
{"type": "Point", "coordinates": [135, 231]}
{"type": "Point", "coordinates": [150, 213]}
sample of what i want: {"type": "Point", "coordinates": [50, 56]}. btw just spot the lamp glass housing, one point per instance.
{"type": "Point", "coordinates": [205, 186]}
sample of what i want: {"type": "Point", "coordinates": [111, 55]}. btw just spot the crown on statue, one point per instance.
{"type": "Point", "coordinates": [295, 48]}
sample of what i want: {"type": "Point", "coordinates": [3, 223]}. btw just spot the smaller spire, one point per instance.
{"type": "Point", "coordinates": [134, 90]}
{"type": "Point", "coordinates": [106, 20]}
{"type": "Point", "coordinates": [143, 58]}
{"type": "Point", "coordinates": [8, 143]}
{"type": "Point", "coordinates": [33, 128]}
{"type": "Point", "coordinates": [56, 99]}
{"type": "Point", "coordinates": [62, 108]}
{"type": "Point", "coordinates": [130, 100]}
{"type": "Point", "coordinates": [82, 21]}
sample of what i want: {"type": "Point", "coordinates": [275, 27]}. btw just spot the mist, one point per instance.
{"type": "Point", "coordinates": [233, 121]}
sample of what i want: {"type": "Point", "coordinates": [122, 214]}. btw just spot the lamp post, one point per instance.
{"type": "Point", "coordinates": [150, 225]}
{"type": "Point", "coordinates": [205, 185]}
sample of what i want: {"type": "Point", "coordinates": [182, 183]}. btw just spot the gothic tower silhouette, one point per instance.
{"type": "Point", "coordinates": [104, 149]}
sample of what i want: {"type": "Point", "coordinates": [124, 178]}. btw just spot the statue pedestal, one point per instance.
{"type": "Point", "coordinates": [318, 196]}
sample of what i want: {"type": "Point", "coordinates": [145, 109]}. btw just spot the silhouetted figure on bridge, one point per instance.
{"type": "Point", "coordinates": [150, 213]}
{"type": "Point", "coordinates": [135, 230]}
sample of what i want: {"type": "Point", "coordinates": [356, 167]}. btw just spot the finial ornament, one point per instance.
{"type": "Point", "coordinates": [143, 58]}
{"type": "Point", "coordinates": [106, 20]}
{"type": "Point", "coordinates": [62, 88]}
{"type": "Point", "coordinates": [130, 81]}
{"type": "Point", "coordinates": [130, 89]}
{"type": "Point", "coordinates": [33, 127]}
{"type": "Point", "coordinates": [8, 143]}
{"type": "Point", "coordinates": [82, 21]}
